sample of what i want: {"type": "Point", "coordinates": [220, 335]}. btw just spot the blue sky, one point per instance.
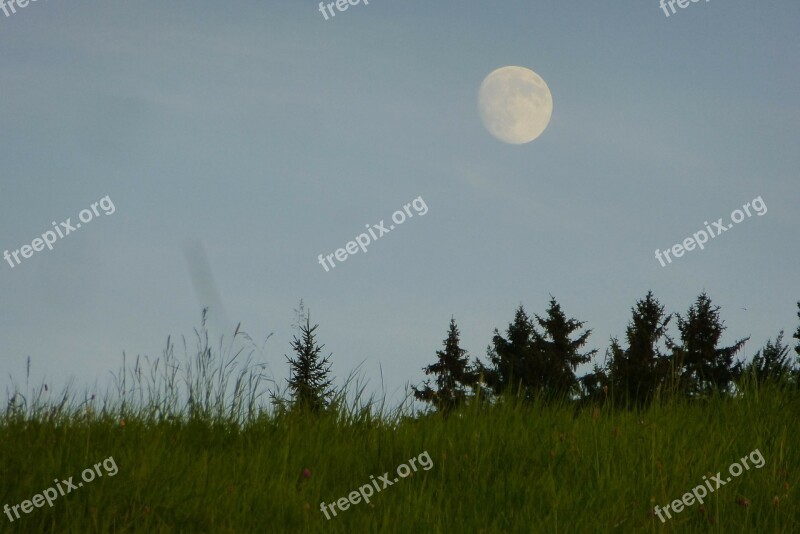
{"type": "Point", "coordinates": [269, 136]}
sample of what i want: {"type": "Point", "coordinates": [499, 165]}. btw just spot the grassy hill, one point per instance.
{"type": "Point", "coordinates": [186, 446]}
{"type": "Point", "coordinates": [501, 469]}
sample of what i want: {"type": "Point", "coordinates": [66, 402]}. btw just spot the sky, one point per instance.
{"type": "Point", "coordinates": [238, 141]}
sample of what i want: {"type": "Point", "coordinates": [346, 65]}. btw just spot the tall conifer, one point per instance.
{"type": "Point", "coordinates": [455, 377]}
{"type": "Point", "coordinates": [704, 367]}
{"type": "Point", "coordinates": [309, 380]}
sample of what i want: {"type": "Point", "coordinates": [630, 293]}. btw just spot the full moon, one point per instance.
{"type": "Point", "coordinates": [515, 104]}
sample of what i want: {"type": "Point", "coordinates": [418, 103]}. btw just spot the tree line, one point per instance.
{"type": "Point", "coordinates": [538, 356]}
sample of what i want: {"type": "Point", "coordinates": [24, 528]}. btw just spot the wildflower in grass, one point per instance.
{"type": "Point", "coordinates": [741, 501]}
{"type": "Point", "coordinates": [775, 501]}
{"type": "Point", "coordinates": [304, 474]}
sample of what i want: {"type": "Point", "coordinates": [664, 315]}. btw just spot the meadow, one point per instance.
{"type": "Point", "coordinates": [197, 452]}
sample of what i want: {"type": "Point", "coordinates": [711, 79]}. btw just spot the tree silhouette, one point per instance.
{"type": "Point", "coordinates": [636, 373]}
{"type": "Point", "coordinates": [703, 367]}
{"type": "Point", "coordinates": [595, 384]}
{"type": "Point", "coordinates": [530, 363]}
{"type": "Point", "coordinates": [797, 334]}
{"type": "Point", "coordinates": [511, 359]}
{"type": "Point", "coordinates": [454, 375]}
{"type": "Point", "coordinates": [308, 376]}
{"type": "Point", "coordinates": [557, 355]}
{"type": "Point", "coordinates": [771, 364]}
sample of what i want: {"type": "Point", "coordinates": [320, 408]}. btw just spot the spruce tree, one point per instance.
{"type": "Point", "coordinates": [771, 364]}
{"type": "Point", "coordinates": [556, 354]}
{"type": "Point", "coordinates": [454, 375]}
{"type": "Point", "coordinates": [617, 372]}
{"type": "Point", "coordinates": [797, 335]}
{"type": "Point", "coordinates": [594, 386]}
{"type": "Point", "coordinates": [530, 363]}
{"type": "Point", "coordinates": [704, 367]}
{"type": "Point", "coordinates": [511, 359]}
{"type": "Point", "coordinates": [637, 372]}
{"type": "Point", "coordinates": [309, 374]}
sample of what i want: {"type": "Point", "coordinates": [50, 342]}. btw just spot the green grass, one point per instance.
{"type": "Point", "coordinates": [202, 458]}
